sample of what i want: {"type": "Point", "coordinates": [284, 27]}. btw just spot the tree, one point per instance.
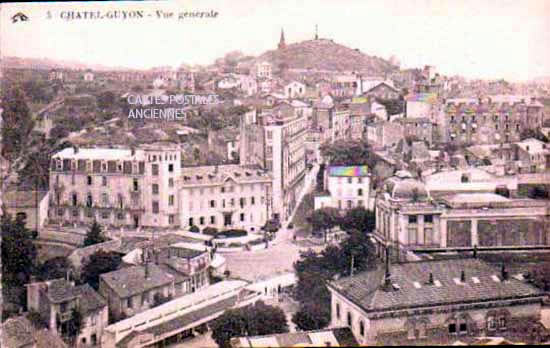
{"type": "Point", "coordinates": [540, 275]}
{"type": "Point", "coordinates": [17, 120]}
{"type": "Point", "coordinates": [54, 268]}
{"type": "Point", "coordinates": [324, 219]}
{"type": "Point", "coordinates": [348, 153]}
{"type": "Point", "coordinates": [74, 325]}
{"type": "Point", "coordinates": [254, 320]}
{"type": "Point", "coordinates": [312, 316]}
{"type": "Point", "coordinates": [106, 99]}
{"type": "Point", "coordinates": [359, 219]}
{"type": "Point", "coordinates": [99, 263]}
{"type": "Point", "coordinates": [94, 235]}
{"type": "Point", "coordinates": [18, 251]}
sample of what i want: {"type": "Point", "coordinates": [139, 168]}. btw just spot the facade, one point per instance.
{"type": "Point", "coordinates": [32, 206]}
{"type": "Point", "coordinates": [118, 187]}
{"type": "Point", "coordinates": [276, 142]}
{"type": "Point", "coordinates": [295, 89]}
{"type": "Point", "coordinates": [55, 300]}
{"type": "Point", "coordinates": [263, 70]}
{"type": "Point", "coordinates": [435, 302]}
{"type": "Point", "coordinates": [409, 219]}
{"type": "Point", "coordinates": [226, 196]}
{"type": "Point", "coordinates": [531, 156]}
{"type": "Point", "coordinates": [225, 142]}
{"type": "Point", "coordinates": [348, 187]}
{"type": "Point", "coordinates": [495, 119]}
{"type": "Point", "coordinates": [331, 121]}
{"type": "Point", "coordinates": [384, 134]}
{"type": "Point", "coordinates": [417, 128]}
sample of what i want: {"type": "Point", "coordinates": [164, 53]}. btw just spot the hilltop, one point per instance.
{"type": "Point", "coordinates": [325, 54]}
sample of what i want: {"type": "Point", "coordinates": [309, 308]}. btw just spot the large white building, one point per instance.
{"type": "Point", "coordinates": [119, 187]}
{"type": "Point", "coordinates": [347, 187]}
{"type": "Point", "coordinates": [275, 140]}
{"type": "Point", "coordinates": [228, 196]}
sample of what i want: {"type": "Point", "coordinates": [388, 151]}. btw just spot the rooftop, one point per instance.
{"type": "Point", "coordinates": [337, 337]}
{"type": "Point", "coordinates": [130, 281]}
{"type": "Point", "coordinates": [218, 175]}
{"type": "Point", "coordinates": [17, 333]}
{"type": "Point", "coordinates": [412, 290]}
{"type": "Point", "coordinates": [99, 154]}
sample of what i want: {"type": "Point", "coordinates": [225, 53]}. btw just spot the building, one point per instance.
{"type": "Point", "coordinates": [55, 300]}
{"type": "Point", "coordinates": [282, 44]}
{"type": "Point", "coordinates": [422, 105]}
{"type": "Point", "coordinates": [347, 187]}
{"type": "Point", "coordinates": [382, 90]}
{"type": "Point", "coordinates": [384, 134]}
{"type": "Point", "coordinates": [409, 219]}
{"type": "Point", "coordinates": [336, 337]}
{"type": "Point", "coordinates": [119, 187]}
{"type": "Point", "coordinates": [225, 142]}
{"type": "Point", "coordinates": [17, 333]}
{"type": "Point", "coordinates": [263, 70]}
{"type": "Point", "coordinates": [332, 121]}
{"type": "Point", "coordinates": [417, 129]}
{"type": "Point", "coordinates": [434, 302]}
{"type": "Point", "coordinates": [295, 89]}
{"type": "Point", "coordinates": [173, 321]}
{"type": "Point", "coordinates": [88, 76]}
{"type": "Point", "coordinates": [531, 155]}
{"type": "Point", "coordinates": [276, 142]}
{"type": "Point", "coordinates": [225, 197]}
{"type": "Point", "coordinates": [495, 119]}
{"type": "Point", "coordinates": [32, 206]}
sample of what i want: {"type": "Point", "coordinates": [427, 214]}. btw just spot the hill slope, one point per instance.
{"type": "Point", "coordinates": [324, 54]}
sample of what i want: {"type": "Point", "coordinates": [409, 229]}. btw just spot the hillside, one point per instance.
{"type": "Point", "coordinates": [324, 54]}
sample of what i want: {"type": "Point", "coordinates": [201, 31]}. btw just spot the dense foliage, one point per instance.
{"type": "Point", "coordinates": [18, 251]}
{"type": "Point", "coordinates": [99, 263]}
{"type": "Point", "coordinates": [94, 235]}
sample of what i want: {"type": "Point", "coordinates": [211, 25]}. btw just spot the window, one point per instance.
{"type": "Point", "coordinates": [75, 212]}
{"type": "Point", "coordinates": [502, 323]}
{"type": "Point", "coordinates": [105, 215]}
{"type": "Point", "coordinates": [222, 190]}
{"type": "Point", "coordinates": [338, 311]}
{"type": "Point", "coordinates": [105, 198]}
{"type": "Point", "coordinates": [170, 168]}
{"type": "Point", "coordinates": [212, 220]}
{"type": "Point", "coordinates": [349, 319]}
{"type": "Point", "coordinates": [89, 180]}
{"type": "Point", "coordinates": [201, 220]}
{"type": "Point", "coordinates": [349, 204]}
{"type": "Point", "coordinates": [75, 199]}
{"type": "Point", "coordinates": [412, 219]}
{"type": "Point", "coordinates": [242, 217]}
{"type": "Point", "coordinates": [242, 202]}
{"type": "Point", "coordinates": [120, 216]}
{"type": "Point", "coordinates": [411, 333]}
{"type": "Point", "coordinates": [170, 182]}
{"type": "Point", "coordinates": [190, 221]}
{"type": "Point", "coordinates": [463, 328]}
{"type": "Point", "coordinates": [212, 204]}
{"type": "Point", "coordinates": [155, 207]}
{"type": "Point", "coordinates": [360, 192]}
{"type": "Point", "coordinates": [350, 180]}
{"type": "Point", "coordinates": [491, 323]}
{"type": "Point", "coordinates": [136, 185]}
{"type": "Point", "coordinates": [104, 181]}
{"type": "Point", "coordinates": [89, 200]}
{"type": "Point", "coordinates": [252, 200]}
{"type": "Point", "coordinates": [171, 219]}
{"type": "Point", "coordinates": [155, 189]}
{"type": "Point", "coordinates": [452, 328]}
{"type": "Point", "coordinates": [428, 219]}
{"type": "Point", "coordinates": [63, 307]}
{"type": "Point", "coordinates": [155, 169]}
{"type": "Point", "coordinates": [171, 200]}
{"type": "Point", "coordinates": [362, 328]}
{"type": "Point", "coordinates": [422, 330]}
{"type": "Point", "coordinates": [130, 303]}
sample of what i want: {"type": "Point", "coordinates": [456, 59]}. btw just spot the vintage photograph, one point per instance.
{"type": "Point", "coordinates": [316, 173]}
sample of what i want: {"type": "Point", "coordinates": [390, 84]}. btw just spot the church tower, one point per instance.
{"type": "Point", "coordinates": [316, 33]}
{"type": "Point", "coordinates": [282, 43]}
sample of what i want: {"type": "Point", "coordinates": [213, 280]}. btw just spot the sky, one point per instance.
{"type": "Point", "coordinates": [475, 39]}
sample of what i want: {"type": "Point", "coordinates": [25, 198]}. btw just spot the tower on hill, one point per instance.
{"type": "Point", "coordinates": [282, 43]}
{"type": "Point", "coordinates": [316, 33]}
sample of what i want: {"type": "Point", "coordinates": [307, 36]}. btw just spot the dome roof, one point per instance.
{"type": "Point", "coordinates": [406, 189]}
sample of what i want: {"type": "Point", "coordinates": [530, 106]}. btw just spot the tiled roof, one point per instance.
{"type": "Point", "coordinates": [131, 280]}
{"type": "Point", "coordinates": [365, 289]}
{"type": "Point", "coordinates": [60, 290]}
{"type": "Point", "coordinates": [90, 301]}
{"type": "Point", "coordinates": [217, 175]}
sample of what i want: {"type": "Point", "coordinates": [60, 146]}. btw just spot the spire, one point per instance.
{"type": "Point", "coordinates": [282, 43]}
{"type": "Point", "coordinates": [316, 33]}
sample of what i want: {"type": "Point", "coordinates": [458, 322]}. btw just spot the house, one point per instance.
{"type": "Point", "coordinates": [295, 89]}
{"type": "Point", "coordinates": [334, 337]}
{"type": "Point", "coordinates": [532, 156]}
{"type": "Point", "coordinates": [383, 90]}
{"type": "Point", "coordinates": [262, 70]}
{"type": "Point", "coordinates": [348, 187]}
{"type": "Point", "coordinates": [435, 302]}
{"type": "Point", "coordinates": [88, 76]}
{"type": "Point", "coordinates": [55, 301]}
{"type": "Point", "coordinates": [18, 333]}
{"type": "Point", "coordinates": [32, 206]}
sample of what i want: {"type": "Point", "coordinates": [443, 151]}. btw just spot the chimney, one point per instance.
{"type": "Point", "coordinates": [503, 272]}
{"type": "Point", "coordinates": [462, 277]}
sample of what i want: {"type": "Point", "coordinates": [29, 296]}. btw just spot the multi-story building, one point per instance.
{"type": "Point", "coordinates": [276, 142]}
{"type": "Point", "coordinates": [347, 187]}
{"type": "Point", "coordinates": [384, 134]}
{"type": "Point", "coordinates": [418, 129]}
{"type": "Point", "coordinates": [435, 302]}
{"type": "Point", "coordinates": [54, 301]}
{"type": "Point", "coordinates": [263, 70]}
{"type": "Point", "coordinates": [226, 196]}
{"type": "Point", "coordinates": [119, 187]}
{"type": "Point", "coordinates": [409, 219]}
{"type": "Point", "coordinates": [331, 121]}
{"type": "Point", "coordinates": [531, 156]}
{"type": "Point", "coordinates": [495, 119]}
